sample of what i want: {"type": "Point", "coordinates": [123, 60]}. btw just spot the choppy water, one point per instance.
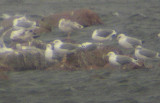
{"type": "Point", "coordinates": [138, 18]}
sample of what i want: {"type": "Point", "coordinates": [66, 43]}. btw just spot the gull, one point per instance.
{"type": "Point", "coordinates": [158, 34]}
{"type": "Point", "coordinates": [120, 59]}
{"type": "Point", "coordinates": [23, 22]}
{"type": "Point", "coordinates": [146, 54]}
{"type": "Point", "coordinates": [103, 34]}
{"type": "Point", "coordinates": [64, 49]}
{"type": "Point", "coordinates": [49, 53]}
{"type": "Point", "coordinates": [24, 47]}
{"type": "Point", "coordinates": [4, 49]}
{"type": "Point", "coordinates": [5, 16]}
{"type": "Point", "coordinates": [16, 33]}
{"type": "Point", "coordinates": [21, 35]}
{"type": "Point", "coordinates": [128, 42]}
{"type": "Point", "coordinates": [89, 46]}
{"type": "Point", "coordinates": [68, 26]}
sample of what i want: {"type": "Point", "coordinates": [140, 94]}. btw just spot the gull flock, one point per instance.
{"type": "Point", "coordinates": [22, 31]}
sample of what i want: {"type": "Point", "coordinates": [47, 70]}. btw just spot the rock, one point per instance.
{"type": "Point", "coordinates": [84, 17]}
{"type": "Point", "coordinates": [23, 60]}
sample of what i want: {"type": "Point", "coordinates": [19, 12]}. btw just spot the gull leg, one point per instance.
{"type": "Point", "coordinates": [64, 60]}
{"type": "Point", "coordinates": [69, 36]}
{"type": "Point", "coordinates": [124, 67]}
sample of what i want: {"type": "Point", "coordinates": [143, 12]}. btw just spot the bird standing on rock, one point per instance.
{"type": "Point", "coordinates": [128, 42]}
{"type": "Point", "coordinates": [68, 26]}
{"type": "Point", "coordinates": [64, 49]}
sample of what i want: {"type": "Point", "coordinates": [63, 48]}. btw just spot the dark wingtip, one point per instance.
{"type": "Point", "coordinates": [143, 42]}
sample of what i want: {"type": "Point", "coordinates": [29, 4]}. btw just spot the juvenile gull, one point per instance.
{"type": "Point", "coordinates": [120, 59]}
{"type": "Point", "coordinates": [68, 26]}
{"type": "Point", "coordinates": [103, 34]}
{"type": "Point", "coordinates": [146, 54]}
{"type": "Point", "coordinates": [128, 42]}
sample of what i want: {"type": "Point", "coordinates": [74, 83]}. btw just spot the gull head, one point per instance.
{"type": "Point", "coordinates": [49, 46]}
{"type": "Point", "coordinates": [86, 44]}
{"type": "Point", "coordinates": [114, 33]}
{"type": "Point", "coordinates": [61, 21]}
{"type": "Point", "coordinates": [57, 42]}
{"type": "Point", "coordinates": [120, 36]}
{"type": "Point", "coordinates": [111, 54]}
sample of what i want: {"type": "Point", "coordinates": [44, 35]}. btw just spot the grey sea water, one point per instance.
{"type": "Point", "coordinates": [138, 18]}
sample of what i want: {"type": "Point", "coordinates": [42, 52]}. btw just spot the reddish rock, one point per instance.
{"type": "Point", "coordinates": [84, 17]}
{"type": "Point", "coordinates": [7, 23]}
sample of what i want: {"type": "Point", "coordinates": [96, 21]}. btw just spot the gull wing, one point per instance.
{"type": "Point", "coordinates": [123, 60]}
{"type": "Point", "coordinates": [104, 33]}
{"type": "Point", "coordinates": [134, 41]}
{"type": "Point", "coordinates": [147, 53]}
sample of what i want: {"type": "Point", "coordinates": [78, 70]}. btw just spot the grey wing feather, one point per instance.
{"type": "Point", "coordinates": [134, 42]}
{"type": "Point", "coordinates": [91, 47]}
{"type": "Point", "coordinates": [123, 60]}
{"type": "Point", "coordinates": [24, 24]}
{"type": "Point", "coordinates": [68, 46]}
{"type": "Point", "coordinates": [104, 33]}
{"type": "Point", "coordinates": [147, 53]}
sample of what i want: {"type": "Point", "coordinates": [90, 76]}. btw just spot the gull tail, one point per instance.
{"type": "Point", "coordinates": [158, 56]}
{"type": "Point", "coordinates": [136, 62]}
{"type": "Point", "coordinates": [78, 26]}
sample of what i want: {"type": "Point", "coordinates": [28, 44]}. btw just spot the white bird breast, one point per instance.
{"type": "Point", "coordinates": [123, 42]}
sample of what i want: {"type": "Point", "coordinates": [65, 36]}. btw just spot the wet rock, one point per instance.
{"type": "Point", "coordinates": [33, 58]}
{"type": "Point", "coordinates": [23, 60]}
{"type": "Point", "coordinates": [86, 59]}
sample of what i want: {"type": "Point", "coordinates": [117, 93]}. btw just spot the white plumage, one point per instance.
{"type": "Point", "coordinates": [103, 34]}
{"type": "Point", "coordinates": [128, 42]}
{"type": "Point", "coordinates": [21, 35]}
{"type": "Point", "coordinates": [120, 59]}
{"type": "Point", "coordinates": [65, 48]}
{"type": "Point", "coordinates": [49, 53]}
{"type": "Point", "coordinates": [23, 22]}
{"type": "Point", "coordinates": [145, 54]}
{"type": "Point", "coordinates": [68, 26]}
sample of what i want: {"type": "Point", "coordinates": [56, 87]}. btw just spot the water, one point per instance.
{"type": "Point", "coordinates": [138, 18]}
